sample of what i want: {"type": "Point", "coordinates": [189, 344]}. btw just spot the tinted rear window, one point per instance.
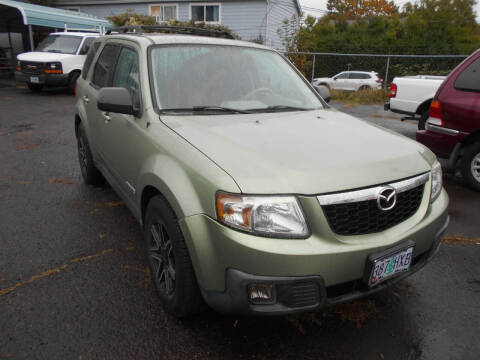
{"type": "Point", "coordinates": [89, 59]}
{"type": "Point", "coordinates": [469, 79]}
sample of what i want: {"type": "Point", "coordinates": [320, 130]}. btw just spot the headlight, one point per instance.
{"type": "Point", "coordinates": [436, 181]}
{"type": "Point", "coordinates": [53, 68]}
{"type": "Point", "coordinates": [275, 216]}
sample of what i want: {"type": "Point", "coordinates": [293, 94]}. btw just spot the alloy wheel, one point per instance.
{"type": "Point", "coordinates": [82, 155]}
{"type": "Point", "coordinates": [475, 167]}
{"type": "Point", "coordinates": [161, 257]}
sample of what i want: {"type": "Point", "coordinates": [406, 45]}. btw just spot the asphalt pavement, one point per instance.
{"type": "Point", "coordinates": [74, 283]}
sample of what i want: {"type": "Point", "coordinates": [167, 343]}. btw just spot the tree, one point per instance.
{"type": "Point", "coordinates": [355, 9]}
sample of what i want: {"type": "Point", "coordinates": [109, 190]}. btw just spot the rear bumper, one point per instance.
{"type": "Point", "coordinates": [440, 142]}
{"type": "Point", "coordinates": [300, 294]}
{"type": "Point", "coordinates": [44, 79]}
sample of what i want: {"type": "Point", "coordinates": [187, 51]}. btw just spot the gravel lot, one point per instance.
{"type": "Point", "coordinates": [74, 282]}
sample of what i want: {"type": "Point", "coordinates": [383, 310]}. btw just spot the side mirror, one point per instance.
{"type": "Point", "coordinates": [115, 100]}
{"type": "Point", "coordinates": [84, 49]}
{"type": "Point", "coordinates": [323, 92]}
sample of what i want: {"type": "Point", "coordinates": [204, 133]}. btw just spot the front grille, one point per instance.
{"type": "Point", "coordinates": [364, 217]}
{"type": "Point", "coordinates": [31, 67]}
{"type": "Point", "coordinates": [299, 294]}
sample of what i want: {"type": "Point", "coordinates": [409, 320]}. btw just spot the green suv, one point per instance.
{"type": "Point", "coordinates": [254, 196]}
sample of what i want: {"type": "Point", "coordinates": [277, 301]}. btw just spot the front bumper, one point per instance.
{"type": "Point", "coordinates": [226, 260]}
{"type": "Point", "coordinates": [300, 294]}
{"type": "Point", "coordinates": [44, 79]}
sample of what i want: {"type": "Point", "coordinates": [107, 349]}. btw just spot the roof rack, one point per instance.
{"type": "Point", "coordinates": [140, 29]}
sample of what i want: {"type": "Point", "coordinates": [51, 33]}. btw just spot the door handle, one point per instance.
{"type": "Point", "coordinates": [106, 117]}
{"type": "Point", "coordinates": [85, 99]}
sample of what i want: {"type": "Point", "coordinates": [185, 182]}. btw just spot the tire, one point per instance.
{"type": "Point", "coordinates": [72, 82]}
{"type": "Point", "coordinates": [35, 88]}
{"type": "Point", "coordinates": [172, 272]}
{"type": "Point", "coordinates": [470, 166]}
{"type": "Point", "coordinates": [423, 119]}
{"type": "Point", "coordinates": [91, 175]}
{"type": "Point", "coordinates": [364, 88]}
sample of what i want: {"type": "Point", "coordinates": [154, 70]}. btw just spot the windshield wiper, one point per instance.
{"type": "Point", "coordinates": [274, 108]}
{"type": "Point", "coordinates": [205, 109]}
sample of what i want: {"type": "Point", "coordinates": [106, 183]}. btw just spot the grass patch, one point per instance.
{"type": "Point", "coordinates": [361, 97]}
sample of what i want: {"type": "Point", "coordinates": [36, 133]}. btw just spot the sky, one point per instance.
{"type": "Point", "coordinates": [322, 5]}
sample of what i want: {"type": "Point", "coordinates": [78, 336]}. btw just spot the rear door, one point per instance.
{"type": "Point", "coordinates": [460, 99]}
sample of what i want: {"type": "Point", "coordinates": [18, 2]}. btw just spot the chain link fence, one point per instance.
{"type": "Point", "coordinates": [314, 65]}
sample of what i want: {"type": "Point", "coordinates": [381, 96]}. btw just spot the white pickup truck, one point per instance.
{"type": "Point", "coordinates": [412, 95]}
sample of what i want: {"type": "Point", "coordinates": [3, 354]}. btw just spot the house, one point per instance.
{"type": "Point", "coordinates": [257, 20]}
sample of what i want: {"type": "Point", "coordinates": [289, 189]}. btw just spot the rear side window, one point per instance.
{"type": "Point", "coordinates": [102, 75]}
{"type": "Point", "coordinates": [469, 79]}
{"type": "Point", "coordinates": [89, 59]}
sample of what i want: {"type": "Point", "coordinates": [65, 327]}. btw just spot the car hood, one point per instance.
{"type": "Point", "coordinates": [43, 56]}
{"type": "Point", "coordinates": [302, 152]}
{"type": "Point", "coordinates": [322, 79]}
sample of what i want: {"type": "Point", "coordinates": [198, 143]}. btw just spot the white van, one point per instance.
{"type": "Point", "coordinates": [57, 60]}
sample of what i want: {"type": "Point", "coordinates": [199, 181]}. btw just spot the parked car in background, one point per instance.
{"type": "Point", "coordinates": [253, 194]}
{"type": "Point", "coordinates": [412, 95]}
{"type": "Point", "coordinates": [57, 60]}
{"type": "Point", "coordinates": [351, 81]}
{"type": "Point", "coordinates": [453, 126]}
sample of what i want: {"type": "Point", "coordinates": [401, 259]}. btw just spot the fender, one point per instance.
{"type": "Point", "coordinates": [173, 181]}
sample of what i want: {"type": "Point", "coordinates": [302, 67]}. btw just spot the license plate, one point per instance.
{"type": "Point", "coordinates": [385, 267]}
{"type": "Point", "coordinates": [34, 79]}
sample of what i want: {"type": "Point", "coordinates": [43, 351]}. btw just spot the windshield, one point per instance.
{"type": "Point", "coordinates": [231, 77]}
{"type": "Point", "coordinates": [65, 44]}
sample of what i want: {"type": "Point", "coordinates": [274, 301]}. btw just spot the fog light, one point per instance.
{"type": "Point", "coordinates": [261, 293]}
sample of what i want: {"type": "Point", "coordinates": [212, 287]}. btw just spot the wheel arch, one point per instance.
{"type": "Point", "coordinates": [424, 106]}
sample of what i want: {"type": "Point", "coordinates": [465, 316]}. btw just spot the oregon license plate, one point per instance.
{"type": "Point", "coordinates": [385, 267]}
{"type": "Point", "coordinates": [34, 79]}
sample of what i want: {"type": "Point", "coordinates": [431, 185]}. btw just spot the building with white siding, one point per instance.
{"type": "Point", "coordinates": [251, 19]}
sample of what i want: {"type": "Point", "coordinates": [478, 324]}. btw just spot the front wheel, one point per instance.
{"type": "Point", "coordinates": [35, 87]}
{"type": "Point", "coordinates": [73, 81]}
{"type": "Point", "coordinates": [170, 265]}
{"type": "Point", "coordinates": [470, 166]}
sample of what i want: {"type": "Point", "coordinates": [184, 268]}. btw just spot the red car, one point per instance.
{"type": "Point", "coordinates": [453, 127]}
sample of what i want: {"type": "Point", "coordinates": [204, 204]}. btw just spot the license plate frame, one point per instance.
{"type": "Point", "coordinates": [377, 273]}
{"type": "Point", "coordinates": [34, 80]}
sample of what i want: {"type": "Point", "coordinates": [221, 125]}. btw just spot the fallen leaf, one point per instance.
{"type": "Point", "coordinates": [458, 240]}
{"type": "Point", "coordinates": [130, 248]}
{"type": "Point", "coordinates": [28, 146]}
{"type": "Point", "coordinates": [114, 203]}
{"type": "Point", "coordinates": [357, 312]}
{"type": "Point", "coordinates": [24, 182]}
{"type": "Point", "coordinates": [25, 133]}
{"type": "Point", "coordinates": [101, 236]}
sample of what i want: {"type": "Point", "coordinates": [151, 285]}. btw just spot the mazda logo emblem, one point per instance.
{"type": "Point", "coordinates": [386, 198]}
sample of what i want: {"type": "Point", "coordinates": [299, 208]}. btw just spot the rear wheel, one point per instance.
{"type": "Point", "coordinates": [470, 166]}
{"type": "Point", "coordinates": [364, 88]}
{"type": "Point", "coordinates": [91, 175]}
{"type": "Point", "coordinates": [423, 119]}
{"type": "Point", "coordinates": [35, 87]}
{"type": "Point", "coordinates": [170, 265]}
